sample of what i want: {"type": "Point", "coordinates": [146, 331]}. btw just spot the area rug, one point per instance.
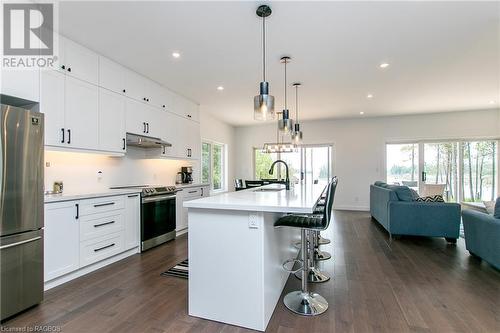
{"type": "Point", "coordinates": [180, 270]}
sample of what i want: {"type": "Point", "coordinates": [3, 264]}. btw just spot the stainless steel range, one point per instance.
{"type": "Point", "coordinates": [157, 214]}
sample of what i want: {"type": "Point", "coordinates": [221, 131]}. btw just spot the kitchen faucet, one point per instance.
{"type": "Point", "coordinates": [287, 180]}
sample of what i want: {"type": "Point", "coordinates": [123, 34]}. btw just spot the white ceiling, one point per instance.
{"type": "Point", "coordinates": [444, 56]}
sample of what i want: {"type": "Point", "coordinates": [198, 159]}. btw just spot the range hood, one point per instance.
{"type": "Point", "coordinates": [142, 141]}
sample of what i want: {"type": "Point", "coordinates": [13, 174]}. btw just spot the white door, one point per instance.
{"type": "Point", "coordinates": [111, 76]}
{"type": "Point", "coordinates": [80, 62]}
{"type": "Point", "coordinates": [132, 221]}
{"type": "Point", "coordinates": [52, 105]}
{"type": "Point", "coordinates": [82, 114]}
{"type": "Point", "coordinates": [135, 115]}
{"type": "Point", "coordinates": [111, 121]}
{"type": "Point", "coordinates": [61, 242]}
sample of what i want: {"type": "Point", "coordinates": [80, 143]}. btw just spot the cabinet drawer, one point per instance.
{"type": "Point", "coordinates": [101, 248]}
{"type": "Point", "coordinates": [192, 192]}
{"type": "Point", "coordinates": [103, 224]}
{"type": "Point", "coordinates": [101, 205]}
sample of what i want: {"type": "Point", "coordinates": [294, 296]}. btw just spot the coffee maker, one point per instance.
{"type": "Point", "coordinates": [187, 175]}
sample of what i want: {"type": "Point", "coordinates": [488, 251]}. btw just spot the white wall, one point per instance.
{"type": "Point", "coordinates": [213, 129]}
{"type": "Point", "coordinates": [79, 171]}
{"type": "Point", "coordinates": [359, 144]}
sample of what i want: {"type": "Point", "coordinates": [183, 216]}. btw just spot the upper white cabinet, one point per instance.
{"type": "Point", "coordinates": [112, 76]}
{"type": "Point", "coordinates": [111, 121]}
{"type": "Point", "coordinates": [138, 87]}
{"type": "Point", "coordinates": [81, 116]}
{"type": "Point", "coordinates": [78, 61]}
{"type": "Point", "coordinates": [21, 83]}
{"type": "Point", "coordinates": [186, 108]}
{"type": "Point", "coordinates": [71, 108]}
{"type": "Point", "coordinates": [142, 119]}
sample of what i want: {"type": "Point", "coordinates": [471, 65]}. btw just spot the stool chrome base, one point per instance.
{"type": "Point", "coordinates": [306, 304]}
{"type": "Point", "coordinates": [314, 276]}
{"type": "Point", "coordinates": [321, 255]}
{"type": "Point", "coordinates": [323, 241]}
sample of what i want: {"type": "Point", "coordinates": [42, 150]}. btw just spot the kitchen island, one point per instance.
{"type": "Point", "coordinates": [236, 254]}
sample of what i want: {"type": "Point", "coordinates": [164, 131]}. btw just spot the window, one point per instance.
{"type": "Point", "coordinates": [311, 164]}
{"type": "Point", "coordinates": [213, 165]}
{"type": "Point", "coordinates": [464, 170]}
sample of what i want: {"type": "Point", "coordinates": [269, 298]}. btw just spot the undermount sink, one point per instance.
{"type": "Point", "coordinates": [268, 189]}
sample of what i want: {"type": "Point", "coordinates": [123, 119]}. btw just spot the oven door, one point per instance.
{"type": "Point", "coordinates": [157, 220]}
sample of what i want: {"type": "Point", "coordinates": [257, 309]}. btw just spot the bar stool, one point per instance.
{"type": "Point", "coordinates": [305, 302]}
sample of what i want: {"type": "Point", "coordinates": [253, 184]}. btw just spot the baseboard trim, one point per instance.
{"type": "Point", "coordinates": [355, 208]}
{"type": "Point", "coordinates": [87, 269]}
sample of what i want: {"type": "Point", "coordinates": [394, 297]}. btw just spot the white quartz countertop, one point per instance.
{"type": "Point", "coordinates": [77, 196]}
{"type": "Point", "coordinates": [191, 185]}
{"type": "Point", "coordinates": [299, 199]}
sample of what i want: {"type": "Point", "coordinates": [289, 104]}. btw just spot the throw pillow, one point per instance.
{"type": "Point", "coordinates": [403, 192]}
{"type": "Point", "coordinates": [490, 207]}
{"type": "Point", "coordinates": [497, 209]}
{"type": "Point", "coordinates": [436, 198]}
{"type": "Point", "coordinates": [414, 194]}
{"type": "Point", "coordinates": [379, 183]}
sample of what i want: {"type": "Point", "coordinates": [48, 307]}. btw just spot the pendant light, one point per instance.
{"type": "Point", "coordinates": [263, 104]}
{"type": "Point", "coordinates": [285, 124]}
{"type": "Point", "coordinates": [297, 133]}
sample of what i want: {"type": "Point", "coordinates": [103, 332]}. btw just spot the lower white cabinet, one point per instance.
{"type": "Point", "coordinates": [62, 239]}
{"type": "Point", "coordinates": [83, 232]}
{"type": "Point", "coordinates": [187, 194]}
{"type": "Point", "coordinates": [132, 221]}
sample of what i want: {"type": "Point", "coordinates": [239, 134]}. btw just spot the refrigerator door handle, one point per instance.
{"type": "Point", "coordinates": [20, 243]}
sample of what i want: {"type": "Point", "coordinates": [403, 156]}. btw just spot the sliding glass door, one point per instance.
{"type": "Point", "coordinates": [309, 164]}
{"type": "Point", "coordinates": [458, 170]}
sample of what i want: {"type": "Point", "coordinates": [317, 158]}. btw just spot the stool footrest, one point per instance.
{"type": "Point", "coordinates": [293, 261]}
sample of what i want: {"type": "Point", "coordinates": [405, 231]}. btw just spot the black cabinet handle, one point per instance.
{"type": "Point", "coordinates": [104, 204]}
{"type": "Point", "coordinates": [189, 116]}
{"type": "Point", "coordinates": [163, 105]}
{"type": "Point", "coordinates": [192, 192]}
{"type": "Point", "coordinates": [144, 98]}
{"type": "Point", "coordinates": [63, 67]}
{"type": "Point", "coordinates": [103, 224]}
{"type": "Point", "coordinates": [69, 69]}
{"type": "Point", "coordinates": [77, 211]}
{"type": "Point", "coordinates": [62, 130]}
{"type": "Point", "coordinates": [123, 144]}
{"type": "Point", "coordinates": [69, 136]}
{"type": "Point", "coordinates": [202, 191]}
{"type": "Point", "coordinates": [147, 99]}
{"type": "Point", "coordinates": [104, 247]}
{"type": "Point", "coordinates": [147, 127]}
{"type": "Point", "coordinates": [124, 90]}
{"type": "Point", "coordinates": [144, 130]}
{"type": "Point", "coordinates": [163, 150]}
{"type": "Point", "coordinates": [133, 196]}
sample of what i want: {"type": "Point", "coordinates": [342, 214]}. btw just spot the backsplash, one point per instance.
{"type": "Point", "coordinates": [88, 172]}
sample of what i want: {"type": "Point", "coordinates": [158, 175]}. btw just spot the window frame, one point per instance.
{"type": "Point", "coordinates": [223, 160]}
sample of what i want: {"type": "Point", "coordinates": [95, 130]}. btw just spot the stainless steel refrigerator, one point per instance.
{"type": "Point", "coordinates": [21, 205]}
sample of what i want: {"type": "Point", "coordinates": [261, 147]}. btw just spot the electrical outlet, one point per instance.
{"type": "Point", "coordinates": [253, 221]}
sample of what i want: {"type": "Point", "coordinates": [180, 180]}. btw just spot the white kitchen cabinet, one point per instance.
{"type": "Point", "coordinates": [138, 87]}
{"type": "Point", "coordinates": [81, 114]}
{"type": "Point", "coordinates": [191, 140]}
{"type": "Point", "coordinates": [186, 108]}
{"type": "Point", "coordinates": [143, 119]}
{"type": "Point", "coordinates": [170, 132]}
{"type": "Point", "coordinates": [187, 194]}
{"type": "Point", "coordinates": [111, 121]}
{"type": "Point", "coordinates": [52, 105]}
{"type": "Point", "coordinates": [112, 76]}
{"type": "Point", "coordinates": [61, 242]}
{"type": "Point", "coordinates": [78, 61]}
{"type": "Point", "coordinates": [132, 221]}
{"type": "Point", "coordinates": [23, 84]}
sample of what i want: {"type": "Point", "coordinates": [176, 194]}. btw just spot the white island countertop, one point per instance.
{"type": "Point", "coordinates": [299, 199]}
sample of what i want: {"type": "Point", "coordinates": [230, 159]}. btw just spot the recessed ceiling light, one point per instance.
{"type": "Point", "coordinates": [384, 65]}
{"type": "Point", "coordinates": [492, 102]}
{"type": "Point", "coordinates": [176, 54]}
{"type": "Point", "coordinates": [220, 88]}
{"type": "Point", "coordinates": [369, 96]}
{"type": "Point", "coordinates": [361, 113]}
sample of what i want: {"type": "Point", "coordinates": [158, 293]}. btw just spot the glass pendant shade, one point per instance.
{"type": "Point", "coordinates": [285, 124]}
{"type": "Point", "coordinates": [297, 135]}
{"type": "Point", "coordinates": [263, 104]}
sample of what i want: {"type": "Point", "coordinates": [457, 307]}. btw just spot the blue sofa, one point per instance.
{"type": "Point", "coordinates": [482, 236]}
{"type": "Point", "coordinates": [395, 209]}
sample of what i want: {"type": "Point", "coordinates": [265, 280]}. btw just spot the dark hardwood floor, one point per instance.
{"type": "Point", "coordinates": [412, 284]}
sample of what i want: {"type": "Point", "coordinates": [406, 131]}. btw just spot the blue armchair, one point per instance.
{"type": "Point", "coordinates": [482, 236]}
